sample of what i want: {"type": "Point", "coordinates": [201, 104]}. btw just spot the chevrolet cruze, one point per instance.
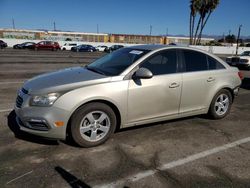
{"type": "Point", "coordinates": [131, 86]}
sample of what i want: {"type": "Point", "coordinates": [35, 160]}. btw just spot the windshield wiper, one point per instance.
{"type": "Point", "coordinates": [94, 70]}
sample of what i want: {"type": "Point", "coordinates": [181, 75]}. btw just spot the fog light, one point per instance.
{"type": "Point", "coordinates": [59, 123]}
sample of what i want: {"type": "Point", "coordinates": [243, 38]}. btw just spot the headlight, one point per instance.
{"type": "Point", "coordinates": [44, 100]}
{"type": "Point", "coordinates": [244, 60]}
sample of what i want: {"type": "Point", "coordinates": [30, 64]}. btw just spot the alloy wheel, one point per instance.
{"type": "Point", "coordinates": [222, 104]}
{"type": "Point", "coordinates": [94, 126]}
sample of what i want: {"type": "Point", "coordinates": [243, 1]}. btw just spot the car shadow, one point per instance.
{"type": "Point", "coordinates": [72, 180]}
{"type": "Point", "coordinates": [14, 127]}
{"type": "Point", "coordinates": [246, 83]}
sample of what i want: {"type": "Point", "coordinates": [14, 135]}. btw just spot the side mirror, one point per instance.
{"type": "Point", "coordinates": [143, 73]}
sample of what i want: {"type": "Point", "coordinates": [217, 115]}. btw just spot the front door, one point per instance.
{"type": "Point", "coordinates": [158, 96]}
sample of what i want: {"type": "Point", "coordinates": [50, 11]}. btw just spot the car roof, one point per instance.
{"type": "Point", "coordinates": [148, 47]}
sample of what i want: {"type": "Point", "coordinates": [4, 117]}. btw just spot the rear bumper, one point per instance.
{"type": "Point", "coordinates": [236, 91]}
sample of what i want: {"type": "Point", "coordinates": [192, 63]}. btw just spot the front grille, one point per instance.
{"type": "Point", "coordinates": [235, 59]}
{"type": "Point", "coordinates": [24, 91]}
{"type": "Point", "coordinates": [19, 101]}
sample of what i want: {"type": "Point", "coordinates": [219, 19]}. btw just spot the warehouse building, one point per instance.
{"type": "Point", "coordinates": [93, 37]}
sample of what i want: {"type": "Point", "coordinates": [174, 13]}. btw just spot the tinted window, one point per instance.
{"type": "Point", "coordinates": [162, 63]}
{"type": "Point", "coordinates": [214, 64]}
{"type": "Point", "coordinates": [195, 61]}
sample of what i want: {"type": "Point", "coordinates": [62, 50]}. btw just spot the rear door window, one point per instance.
{"type": "Point", "coordinates": [194, 61]}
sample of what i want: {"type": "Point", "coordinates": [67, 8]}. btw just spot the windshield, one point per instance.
{"type": "Point", "coordinates": [115, 63]}
{"type": "Point", "coordinates": [246, 53]}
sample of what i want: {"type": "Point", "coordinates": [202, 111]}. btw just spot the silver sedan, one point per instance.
{"type": "Point", "coordinates": [131, 86]}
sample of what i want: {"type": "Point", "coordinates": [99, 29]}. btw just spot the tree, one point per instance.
{"type": "Point", "coordinates": [230, 39]}
{"type": "Point", "coordinates": [205, 9]}
{"type": "Point", "coordinates": [194, 7]}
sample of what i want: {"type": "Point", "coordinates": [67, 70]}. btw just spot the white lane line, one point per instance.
{"type": "Point", "coordinates": [176, 163]}
{"type": "Point", "coordinates": [19, 177]}
{"type": "Point", "coordinates": [2, 83]}
{"type": "Point", "coordinates": [6, 110]}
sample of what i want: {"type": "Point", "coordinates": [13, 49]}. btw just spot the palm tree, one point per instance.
{"type": "Point", "coordinates": [209, 7]}
{"type": "Point", "coordinates": [194, 8]}
{"type": "Point", "coordinates": [205, 9]}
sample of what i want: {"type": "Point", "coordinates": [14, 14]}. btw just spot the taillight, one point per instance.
{"type": "Point", "coordinates": [240, 74]}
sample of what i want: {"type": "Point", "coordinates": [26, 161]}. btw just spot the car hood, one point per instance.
{"type": "Point", "coordinates": [63, 80]}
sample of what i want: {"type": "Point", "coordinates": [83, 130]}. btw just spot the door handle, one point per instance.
{"type": "Point", "coordinates": [210, 79]}
{"type": "Point", "coordinates": [174, 85]}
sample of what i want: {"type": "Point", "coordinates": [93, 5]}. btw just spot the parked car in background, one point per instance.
{"type": "Point", "coordinates": [131, 86]}
{"type": "Point", "coordinates": [242, 61]}
{"type": "Point", "coordinates": [113, 48]}
{"type": "Point", "coordinates": [101, 48]}
{"type": "Point", "coordinates": [83, 48]}
{"type": "Point", "coordinates": [68, 46]}
{"type": "Point", "coordinates": [25, 45]}
{"type": "Point", "coordinates": [46, 45]}
{"type": "Point", "coordinates": [3, 44]}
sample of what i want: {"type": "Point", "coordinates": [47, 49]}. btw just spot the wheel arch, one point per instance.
{"type": "Point", "coordinates": [108, 103]}
{"type": "Point", "coordinates": [230, 90]}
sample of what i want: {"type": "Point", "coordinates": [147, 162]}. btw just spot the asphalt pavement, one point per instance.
{"type": "Point", "coordinates": [189, 152]}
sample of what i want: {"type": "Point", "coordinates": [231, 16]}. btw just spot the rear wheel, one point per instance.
{"type": "Point", "coordinates": [221, 104]}
{"type": "Point", "coordinates": [92, 124]}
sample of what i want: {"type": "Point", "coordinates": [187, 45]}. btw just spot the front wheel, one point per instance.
{"type": "Point", "coordinates": [221, 104]}
{"type": "Point", "coordinates": [92, 124]}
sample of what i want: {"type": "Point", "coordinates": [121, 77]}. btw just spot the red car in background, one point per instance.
{"type": "Point", "coordinates": [46, 45]}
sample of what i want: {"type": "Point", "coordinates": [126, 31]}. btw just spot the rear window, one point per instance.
{"type": "Point", "coordinates": [213, 64]}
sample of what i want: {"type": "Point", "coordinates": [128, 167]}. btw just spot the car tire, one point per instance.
{"type": "Point", "coordinates": [92, 124]}
{"type": "Point", "coordinates": [221, 104]}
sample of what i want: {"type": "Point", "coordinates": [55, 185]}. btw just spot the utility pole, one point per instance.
{"type": "Point", "coordinates": [97, 28]}
{"type": "Point", "coordinates": [237, 46]}
{"type": "Point", "coordinates": [150, 30]}
{"type": "Point", "coordinates": [13, 23]}
{"type": "Point", "coordinates": [166, 32]}
{"type": "Point", "coordinates": [54, 26]}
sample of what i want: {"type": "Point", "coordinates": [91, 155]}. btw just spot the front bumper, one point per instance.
{"type": "Point", "coordinates": [41, 121]}
{"type": "Point", "coordinates": [243, 66]}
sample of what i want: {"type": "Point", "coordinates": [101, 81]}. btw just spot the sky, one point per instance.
{"type": "Point", "coordinates": [122, 16]}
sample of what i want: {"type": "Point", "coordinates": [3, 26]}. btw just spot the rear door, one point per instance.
{"type": "Point", "coordinates": [198, 81]}
{"type": "Point", "coordinates": [158, 96]}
